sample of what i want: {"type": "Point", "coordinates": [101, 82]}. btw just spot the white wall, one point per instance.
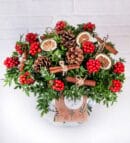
{"type": "Point", "coordinates": [19, 120]}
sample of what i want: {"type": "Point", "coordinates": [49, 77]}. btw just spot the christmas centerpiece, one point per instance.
{"type": "Point", "coordinates": [70, 66]}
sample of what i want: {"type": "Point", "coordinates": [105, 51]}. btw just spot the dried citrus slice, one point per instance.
{"type": "Point", "coordinates": [84, 36]}
{"type": "Point", "coordinates": [106, 62]}
{"type": "Point", "coordinates": [49, 45]}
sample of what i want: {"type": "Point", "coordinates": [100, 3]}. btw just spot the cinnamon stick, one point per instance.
{"type": "Point", "coordinates": [24, 57]}
{"type": "Point", "coordinates": [99, 39]}
{"type": "Point", "coordinates": [86, 82]}
{"type": "Point", "coordinates": [107, 46]}
{"type": "Point", "coordinates": [111, 49]}
{"type": "Point", "coordinates": [58, 69]}
{"type": "Point", "coordinates": [54, 68]}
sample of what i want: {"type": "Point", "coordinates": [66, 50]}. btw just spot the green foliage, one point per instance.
{"type": "Point", "coordinates": [79, 29]}
{"type": "Point", "coordinates": [74, 92]}
{"type": "Point", "coordinates": [81, 72]}
{"type": "Point", "coordinates": [44, 99]}
{"type": "Point", "coordinates": [11, 76]}
{"type": "Point", "coordinates": [42, 87]}
{"type": "Point", "coordinates": [46, 75]}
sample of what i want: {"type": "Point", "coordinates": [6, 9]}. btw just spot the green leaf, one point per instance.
{"type": "Point", "coordinates": [46, 75]}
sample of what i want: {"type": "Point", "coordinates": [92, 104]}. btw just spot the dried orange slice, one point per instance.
{"type": "Point", "coordinates": [49, 45]}
{"type": "Point", "coordinates": [105, 61]}
{"type": "Point", "coordinates": [84, 36]}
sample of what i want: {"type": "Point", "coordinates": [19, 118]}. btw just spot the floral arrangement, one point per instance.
{"type": "Point", "coordinates": [66, 61]}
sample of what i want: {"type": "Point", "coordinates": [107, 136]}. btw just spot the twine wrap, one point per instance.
{"type": "Point", "coordinates": [102, 45]}
{"type": "Point", "coordinates": [80, 81]}
{"type": "Point", "coordinates": [64, 67]}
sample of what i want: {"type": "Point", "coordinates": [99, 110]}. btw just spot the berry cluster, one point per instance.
{"type": "Point", "coordinates": [116, 85]}
{"type": "Point", "coordinates": [11, 62]}
{"type": "Point", "coordinates": [89, 26]}
{"type": "Point", "coordinates": [26, 78]}
{"type": "Point", "coordinates": [60, 25]}
{"type": "Point", "coordinates": [31, 37]}
{"type": "Point", "coordinates": [119, 68]}
{"type": "Point", "coordinates": [93, 66]}
{"type": "Point", "coordinates": [18, 48]}
{"type": "Point", "coordinates": [58, 85]}
{"type": "Point", "coordinates": [88, 47]}
{"type": "Point", "coordinates": [35, 48]}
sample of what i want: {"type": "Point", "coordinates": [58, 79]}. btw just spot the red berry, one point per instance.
{"type": "Point", "coordinates": [88, 47]}
{"type": "Point", "coordinates": [11, 62]}
{"type": "Point", "coordinates": [93, 66]}
{"type": "Point", "coordinates": [89, 26]}
{"type": "Point", "coordinates": [119, 68]}
{"type": "Point", "coordinates": [31, 37]}
{"type": "Point", "coordinates": [26, 78]}
{"type": "Point", "coordinates": [116, 85]}
{"type": "Point", "coordinates": [60, 25]}
{"type": "Point", "coordinates": [18, 49]}
{"type": "Point", "coordinates": [58, 85]}
{"type": "Point", "coordinates": [35, 48]}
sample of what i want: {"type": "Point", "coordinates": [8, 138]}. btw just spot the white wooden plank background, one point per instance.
{"type": "Point", "coordinates": [19, 120]}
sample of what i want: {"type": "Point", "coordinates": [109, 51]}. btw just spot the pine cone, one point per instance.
{"type": "Point", "coordinates": [74, 56]}
{"type": "Point", "coordinates": [68, 39]}
{"type": "Point", "coordinates": [41, 61]}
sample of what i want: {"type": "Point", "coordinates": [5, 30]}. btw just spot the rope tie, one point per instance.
{"type": "Point", "coordinates": [64, 67]}
{"type": "Point", "coordinates": [80, 81]}
{"type": "Point", "coordinates": [102, 45]}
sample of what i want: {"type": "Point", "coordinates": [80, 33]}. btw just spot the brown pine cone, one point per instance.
{"type": "Point", "coordinates": [74, 56]}
{"type": "Point", "coordinates": [41, 61]}
{"type": "Point", "coordinates": [68, 38]}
